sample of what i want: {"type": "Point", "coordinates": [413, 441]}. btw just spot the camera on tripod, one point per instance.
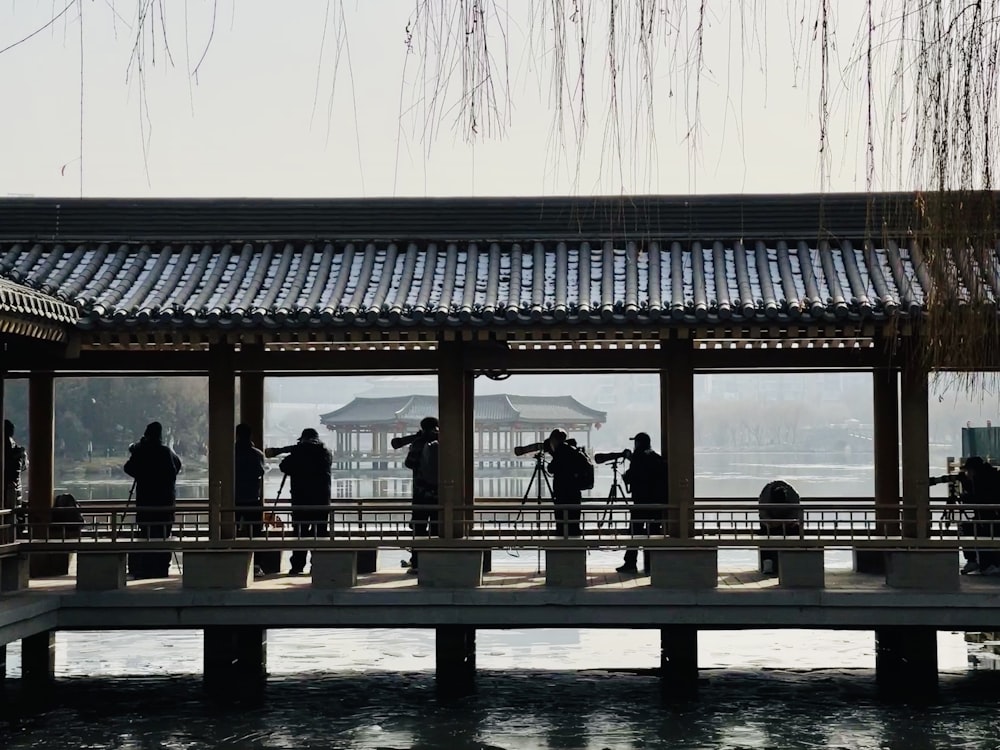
{"type": "Point", "coordinates": [602, 458]}
{"type": "Point", "coordinates": [545, 445]}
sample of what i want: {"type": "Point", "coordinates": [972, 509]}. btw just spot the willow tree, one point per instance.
{"type": "Point", "coordinates": [921, 76]}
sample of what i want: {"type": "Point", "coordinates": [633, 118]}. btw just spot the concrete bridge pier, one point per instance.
{"type": "Point", "coordinates": [906, 664]}
{"type": "Point", "coordinates": [38, 659]}
{"type": "Point", "coordinates": [456, 660]}
{"type": "Point", "coordinates": [679, 661]}
{"type": "Point", "coordinates": [235, 658]}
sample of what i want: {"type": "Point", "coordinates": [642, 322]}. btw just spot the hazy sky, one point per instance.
{"type": "Point", "coordinates": [266, 116]}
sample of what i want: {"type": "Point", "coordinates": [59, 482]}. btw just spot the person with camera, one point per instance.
{"type": "Point", "coordinates": [155, 467]}
{"type": "Point", "coordinates": [422, 460]}
{"type": "Point", "coordinates": [982, 487]}
{"type": "Point", "coordinates": [15, 463]}
{"type": "Point", "coordinates": [309, 465]}
{"type": "Point", "coordinates": [567, 492]}
{"type": "Point", "coordinates": [646, 479]}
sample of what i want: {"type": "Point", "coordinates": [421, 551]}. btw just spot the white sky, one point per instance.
{"type": "Point", "coordinates": [247, 127]}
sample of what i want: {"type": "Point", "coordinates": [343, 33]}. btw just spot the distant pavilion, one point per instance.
{"type": "Point", "coordinates": [364, 427]}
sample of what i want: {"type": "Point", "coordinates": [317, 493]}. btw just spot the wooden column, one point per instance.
{"type": "Point", "coordinates": [221, 423]}
{"type": "Point", "coordinates": [915, 452]}
{"type": "Point", "coordinates": [677, 434]}
{"type": "Point", "coordinates": [41, 463]}
{"type": "Point", "coordinates": [885, 391]}
{"type": "Point", "coordinates": [455, 457]}
{"type": "Point", "coordinates": [7, 523]}
{"type": "Point", "coordinates": [252, 403]}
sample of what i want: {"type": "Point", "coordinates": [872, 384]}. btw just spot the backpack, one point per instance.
{"type": "Point", "coordinates": [583, 469]}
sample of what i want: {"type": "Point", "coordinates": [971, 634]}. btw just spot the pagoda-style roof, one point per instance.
{"type": "Point", "coordinates": [163, 266]}
{"type": "Point", "coordinates": [405, 412]}
{"type": "Point", "coordinates": [28, 312]}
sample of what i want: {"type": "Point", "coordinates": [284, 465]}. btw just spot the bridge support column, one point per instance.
{"type": "Point", "coordinates": [906, 661]}
{"type": "Point", "coordinates": [456, 660]}
{"type": "Point", "coordinates": [679, 660]}
{"type": "Point", "coordinates": [235, 657]}
{"type": "Point", "coordinates": [38, 659]}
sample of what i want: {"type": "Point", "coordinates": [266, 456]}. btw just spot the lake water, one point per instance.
{"type": "Point", "coordinates": [374, 689]}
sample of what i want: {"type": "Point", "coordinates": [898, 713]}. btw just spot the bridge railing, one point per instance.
{"type": "Point", "coordinates": [505, 522]}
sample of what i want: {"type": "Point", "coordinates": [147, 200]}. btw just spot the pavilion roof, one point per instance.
{"type": "Point", "coordinates": [256, 265]}
{"type": "Point", "coordinates": [27, 312]}
{"type": "Point", "coordinates": [405, 412]}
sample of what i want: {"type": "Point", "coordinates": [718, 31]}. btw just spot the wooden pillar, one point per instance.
{"type": "Point", "coordinates": [38, 659]}
{"type": "Point", "coordinates": [677, 434]}
{"type": "Point", "coordinates": [41, 463]}
{"type": "Point", "coordinates": [221, 423]}
{"type": "Point", "coordinates": [252, 402]}
{"type": "Point", "coordinates": [885, 392]}
{"type": "Point", "coordinates": [455, 457]}
{"type": "Point", "coordinates": [679, 660]}
{"type": "Point", "coordinates": [915, 452]}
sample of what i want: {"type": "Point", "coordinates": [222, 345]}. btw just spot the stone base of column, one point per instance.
{"type": "Point", "coordinates": [367, 561]}
{"type": "Point", "coordinates": [684, 568]}
{"type": "Point", "coordinates": [458, 568]}
{"type": "Point", "coordinates": [906, 661]}
{"type": "Point", "coordinates": [456, 660]}
{"type": "Point", "coordinates": [801, 569]}
{"type": "Point", "coordinates": [679, 661]}
{"type": "Point", "coordinates": [38, 659]}
{"type": "Point", "coordinates": [100, 571]}
{"type": "Point", "coordinates": [869, 561]}
{"type": "Point", "coordinates": [217, 570]}
{"type": "Point", "coordinates": [566, 568]}
{"type": "Point", "coordinates": [335, 569]}
{"type": "Point", "coordinates": [14, 573]}
{"type": "Point", "coordinates": [934, 571]}
{"type": "Point", "coordinates": [235, 658]}
{"type": "Point", "coordinates": [49, 564]}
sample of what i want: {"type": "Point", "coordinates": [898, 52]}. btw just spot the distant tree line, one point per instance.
{"type": "Point", "coordinates": [103, 416]}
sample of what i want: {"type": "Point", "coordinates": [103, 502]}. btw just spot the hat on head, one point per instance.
{"type": "Point", "coordinates": [309, 434]}
{"type": "Point", "coordinates": [8, 428]}
{"type": "Point", "coordinates": [642, 437]}
{"type": "Point", "coordinates": [154, 431]}
{"type": "Point", "coordinates": [974, 463]}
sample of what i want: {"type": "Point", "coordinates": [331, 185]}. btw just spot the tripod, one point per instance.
{"type": "Point", "coordinates": [616, 491]}
{"type": "Point", "coordinates": [538, 479]}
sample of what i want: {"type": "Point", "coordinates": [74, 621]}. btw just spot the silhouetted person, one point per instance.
{"type": "Point", "coordinates": [984, 489]}
{"type": "Point", "coordinates": [15, 463]}
{"type": "Point", "coordinates": [646, 479]}
{"type": "Point", "coordinates": [565, 484]}
{"type": "Point", "coordinates": [309, 466]}
{"type": "Point", "coordinates": [422, 460]}
{"type": "Point", "coordinates": [248, 471]}
{"type": "Point", "coordinates": [155, 467]}
{"type": "Point", "coordinates": [780, 515]}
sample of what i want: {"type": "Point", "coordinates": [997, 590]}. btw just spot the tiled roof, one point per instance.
{"type": "Point", "coordinates": [405, 412]}
{"type": "Point", "coordinates": [27, 312]}
{"type": "Point", "coordinates": [440, 263]}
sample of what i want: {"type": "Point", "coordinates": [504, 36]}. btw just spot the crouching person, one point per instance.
{"type": "Point", "coordinates": [780, 512]}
